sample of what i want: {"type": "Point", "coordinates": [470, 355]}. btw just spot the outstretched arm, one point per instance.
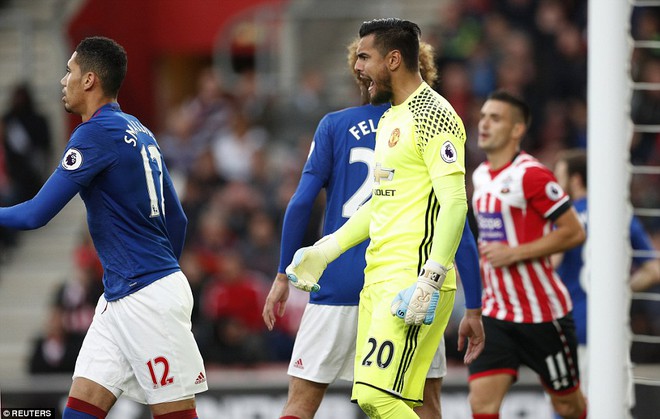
{"type": "Point", "coordinates": [296, 219]}
{"type": "Point", "coordinates": [309, 262]}
{"type": "Point", "coordinates": [37, 212]}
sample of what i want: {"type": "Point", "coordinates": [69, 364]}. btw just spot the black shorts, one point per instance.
{"type": "Point", "coordinates": [550, 349]}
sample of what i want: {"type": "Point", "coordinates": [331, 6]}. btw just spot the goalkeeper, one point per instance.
{"type": "Point", "coordinates": [415, 220]}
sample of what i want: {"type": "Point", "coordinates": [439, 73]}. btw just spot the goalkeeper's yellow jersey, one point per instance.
{"type": "Point", "coordinates": [417, 141]}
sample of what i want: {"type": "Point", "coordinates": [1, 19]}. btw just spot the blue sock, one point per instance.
{"type": "Point", "coordinates": [70, 413]}
{"type": "Point", "coordinates": [79, 409]}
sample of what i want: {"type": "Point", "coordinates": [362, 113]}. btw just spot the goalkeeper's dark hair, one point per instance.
{"type": "Point", "coordinates": [427, 67]}
{"type": "Point", "coordinates": [395, 34]}
{"type": "Point", "coordinates": [106, 58]}
{"type": "Point", "coordinates": [576, 162]}
{"type": "Point", "coordinates": [516, 102]}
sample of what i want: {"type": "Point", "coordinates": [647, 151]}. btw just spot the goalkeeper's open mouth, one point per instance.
{"type": "Point", "coordinates": [369, 83]}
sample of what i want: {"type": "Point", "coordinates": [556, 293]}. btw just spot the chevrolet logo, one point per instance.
{"type": "Point", "coordinates": [382, 174]}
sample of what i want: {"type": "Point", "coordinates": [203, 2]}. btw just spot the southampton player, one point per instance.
{"type": "Point", "coordinates": [341, 160]}
{"type": "Point", "coordinates": [415, 220]}
{"type": "Point", "coordinates": [571, 173]}
{"type": "Point", "coordinates": [526, 307]}
{"type": "Point", "coordinates": [140, 343]}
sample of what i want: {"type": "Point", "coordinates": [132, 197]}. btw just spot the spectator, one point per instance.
{"type": "Point", "coordinates": [56, 350]}
{"type": "Point", "coordinates": [235, 332]}
{"type": "Point", "coordinates": [76, 298]}
{"type": "Point", "coordinates": [645, 110]}
{"type": "Point", "coordinates": [27, 144]}
{"type": "Point", "coordinates": [234, 149]}
{"type": "Point", "coordinates": [260, 245]}
{"type": "Point", "coordinates": [26, 147]}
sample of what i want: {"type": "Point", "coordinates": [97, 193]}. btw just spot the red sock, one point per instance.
{"type": "Point", "coordinates": [180, 414]}
{"type": "Point", "coordinates": [584, 414]}
{"type": "Point", "coordinates": [84, 407]}
{"type": "Point", "coordinates": [486, 416]}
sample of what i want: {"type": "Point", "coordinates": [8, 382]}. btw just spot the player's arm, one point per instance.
{"type": "Point", "coordinates": [647, 273]}
{"type": "Point", "coordinates": [450, 191]}
{"type": "Point", "coordinates": [296, 217]}
{"type": "Point", "coordinates": [175, 217]}
{"type": "Point", "coordinates": [48, 202]}
{"type": "Point", "coordinates": [467, 263]}
{"type": "Point", "coordinates": [568, 233]}
{"type": "Point", "coordinates": [294, 225]}
{"type": "Point", "coordinates": [471, 327]}
{"type": "Point", "coordinates": [543, 195]}
{"type": "Point", "coordinates": [309, 262]}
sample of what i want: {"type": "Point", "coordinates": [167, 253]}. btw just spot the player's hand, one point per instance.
{"type": "Point", "coordinates": [416, 305]}
{"type": "Point", "coordinates": [471, 328]}
{"type": "Point", "coordinates": [277, 297]}
{"type": "Point", "coordinates": [401, 306]}
{"type": "Point", "coordinates": [309, 263]}
{"type": "Point", "coordinates": [498, 254]}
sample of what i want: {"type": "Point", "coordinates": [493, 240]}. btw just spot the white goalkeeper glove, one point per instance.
{"type": "Point", "coordinates": [416, 305]}
{"type": "Point", "coordinates": [309, 263]}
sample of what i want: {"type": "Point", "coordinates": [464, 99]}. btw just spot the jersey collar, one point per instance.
{"type": "Point", "coordinates": [113, 106]}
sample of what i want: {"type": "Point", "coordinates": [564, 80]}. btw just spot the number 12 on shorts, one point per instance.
{"type": "Point", "coordinates": [162, 379]}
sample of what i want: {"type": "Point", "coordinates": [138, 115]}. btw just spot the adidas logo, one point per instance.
{"type": "Point", "coordinates": [200, 378]}
{"type": "Point", "coordinates": [299, 364]}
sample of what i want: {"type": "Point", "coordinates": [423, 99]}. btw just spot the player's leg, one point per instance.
{"type": "Point", "coordinates": [570, 406]}
{"type": "Point", "coordinates": [552, 352]}
{"type": "Point", "coordinates": [494, 371]}
{"type": "Point", "coordinates": [431, 409]}
{"type": "Point", "coordinates": [487, 393]}
{"type": "Point", "coordinates": [98, 364]}
{"type": "Point", "coordinates": [583, 362]}
{"type": "Point", "coordinates": [323, 352]}
{"type": "Point", "coordinates": [379, 404]}
{"type": "Point", "coordinates": [153, 330]}
{"type": "Point", "coordinates": [88, 400]}
{"type": "Point", "coordinates": [180, 409]}
{"type": "Point", "coordinates": [304, 398]}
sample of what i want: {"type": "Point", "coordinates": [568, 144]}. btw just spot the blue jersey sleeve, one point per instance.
{"type": "Point", "coordinates": [175, 217]}
{"type": "Point", "coordinates": [88, 145]}
{"type": "Point", "coordinates": [467, 263]}
{"type": "Point", "coordinates": [37, 212]}
{"type": "Point", "coordinates": [639, 240]}
{"type": "Point", "coordinates": [296, 217]}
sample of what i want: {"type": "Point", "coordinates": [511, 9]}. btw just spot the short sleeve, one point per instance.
{"type": "Point", "coordinates": [89, 152]}
{"type": "Point", "coordinates": [543, 193]}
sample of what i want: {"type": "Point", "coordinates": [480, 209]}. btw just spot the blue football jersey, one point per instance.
{"type": "Point", "coordinates": [571, 268]}
{"type": "Point", "coordinates": [119, 167]}
{"type": "Point", "coordinates": [342, 156]}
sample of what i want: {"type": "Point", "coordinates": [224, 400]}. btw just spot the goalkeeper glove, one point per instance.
{"type": "Point", "coordinates": [416, 305]}
{"type": "Point", "coordinates": [309, 263]}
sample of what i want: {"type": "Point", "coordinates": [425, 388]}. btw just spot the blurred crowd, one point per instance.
{"type": "Point", "coordinates": [236, 154]}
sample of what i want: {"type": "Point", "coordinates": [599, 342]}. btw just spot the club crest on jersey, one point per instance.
{"type": "Point", "coordinates": [554, 191]}
{"type": "Point", "coordinates": [72, 159]}
{"type": "Point", "coordinates": [448, 152]}
{"type": "Point", "coordinates": [394, 137]}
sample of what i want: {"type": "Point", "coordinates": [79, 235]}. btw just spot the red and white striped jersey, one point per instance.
{"type": "Point", "coordinates": [516, 205]}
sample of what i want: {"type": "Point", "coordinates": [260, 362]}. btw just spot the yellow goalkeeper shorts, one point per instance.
{"type": "Point", "coordinates": [390, 355]}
